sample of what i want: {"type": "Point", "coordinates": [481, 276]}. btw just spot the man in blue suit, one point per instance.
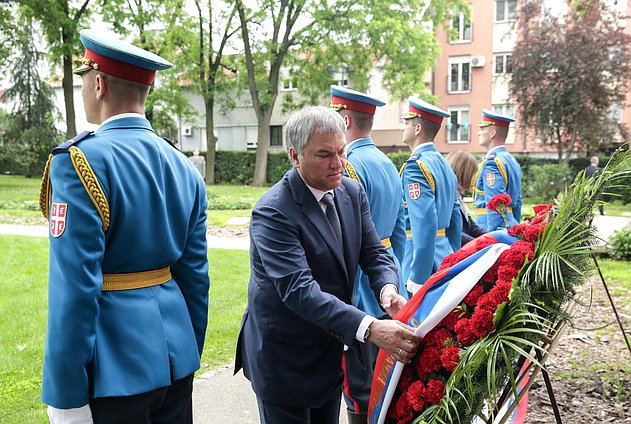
{"type": "Point", "coordinates": [128, 279]}
{"type": "Point", "coordinates": [431, 196]}
{"type": "Point", "coordinates": [499, 173]}
{"type": "Point", "coordinates": [370, 167]}
{"type": "Point", "coordinates": [308, 235]}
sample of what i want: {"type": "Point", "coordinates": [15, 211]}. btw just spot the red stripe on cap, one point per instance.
{"type": "Point", "coordinates": [426, 115]}
{"type": "Point", "coordinates": [121, 69]}
{"type": "Point", "coordinates": [354, 105]}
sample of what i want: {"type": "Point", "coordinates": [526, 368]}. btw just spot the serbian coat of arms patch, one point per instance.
{"type": "Point", "coordinates": [415, 190]}
{"type": "Point", "coordinates": [58, 213]}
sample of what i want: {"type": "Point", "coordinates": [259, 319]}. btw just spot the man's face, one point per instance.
{"type": "Point", "coordinates": [322, 163]}
{"type": "Point", "coordinates": [409, 131]}
{"type": "Point", "coordinates": [484, 135]}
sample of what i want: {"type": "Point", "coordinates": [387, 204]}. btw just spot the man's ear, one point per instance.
{"type": "Point", "coordinates": [100, 86]}
{"type": "Point", "coordinates": [347, 121]}
{"type": "Point", "coordinates": [492, 133]}
{"type": "Point", "coordinates": [293, 155]}
{"type": "Point", "coordinates": [417, 129]}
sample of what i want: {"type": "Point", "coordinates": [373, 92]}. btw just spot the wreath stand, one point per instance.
{"type": "Point", "coordinates": [547, 344]}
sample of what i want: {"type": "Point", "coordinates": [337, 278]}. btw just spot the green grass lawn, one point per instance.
{"type": "Point", "coordinates": [19, 197]}
{"type": "Point", "coordinates": [23, 292]}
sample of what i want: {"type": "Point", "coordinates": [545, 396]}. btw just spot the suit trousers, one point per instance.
{"type": "Point", "coordinates": [328, 413]}
{"type": "Point", "coordinates": [167, 405]}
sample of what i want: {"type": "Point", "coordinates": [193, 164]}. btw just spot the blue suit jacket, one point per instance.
{"type": "Point", "coordinates": [498, 173]}
{"type": "Point", "coordinates": [118, 343]}
{"type": "Point", "coordinates": [380, 179]}
{"type": "Point", "coordinates": [299, 313]}
{"type": "Point", "coordinates": [432, 205]}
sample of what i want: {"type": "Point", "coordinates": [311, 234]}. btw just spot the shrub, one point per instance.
{"type": "Point", "coordinates": [546, 182]}
{"type": "Point", "coordinates": [620, 243]}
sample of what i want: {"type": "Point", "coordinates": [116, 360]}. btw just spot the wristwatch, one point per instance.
{"type": "Point", "coordinates": [367, 334]}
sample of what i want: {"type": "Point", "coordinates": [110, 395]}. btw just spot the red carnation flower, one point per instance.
{"type": "Point", "coordinates": [429, 361]}
{"type": "Point", "coordinates": [416, 396]}
{"type": "Point", "coordinates": [450, 357]}
{"type": "Point", "coordinates": [499, 203]}
{"type": "Point", "coordinates": [474, 294]}
{"type": "Point", "coordinates": [404, 410]}
{"type": "Point", "coordinates": [449, 322]}
{"type": "Point", "coordinates": [482, 322]}
{"type": "Point", "coordinates": [406, 378]}
{"type": "Point", "coordinates": [490, 276]}
{"type": "Point", "coordinates": [436, 337]}
{"type": "Point", "coordinates": [466, 336]}
{"type": "Point", "coordinates": [435, 391]}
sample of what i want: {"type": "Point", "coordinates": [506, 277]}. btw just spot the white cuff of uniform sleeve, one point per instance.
{"type": "Point", "coordinates": [82, 415]}
{"type": "Point", "coordinates": [413, 287]}
{"type": "Point", "coordinates": [361, 330]}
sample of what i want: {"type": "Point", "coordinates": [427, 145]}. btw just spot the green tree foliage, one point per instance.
{"type": "Point", "coordinates": [60, 21]}
{"type": "Point", "coordinates": [308, 36]}
{"type": "Point", "coordinates": [568, 73]}
{"type": "Point", "coordinates": [29, 131]}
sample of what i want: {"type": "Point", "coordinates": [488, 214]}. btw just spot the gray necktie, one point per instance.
{"type": "Point", "coordinates": [331, 215]}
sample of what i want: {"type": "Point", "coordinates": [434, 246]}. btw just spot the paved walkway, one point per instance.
{"type": "Point", "coordinates": [218, 396]}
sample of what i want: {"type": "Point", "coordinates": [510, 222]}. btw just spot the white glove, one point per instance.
{"type": "Point", "coordinates": [81, 415]}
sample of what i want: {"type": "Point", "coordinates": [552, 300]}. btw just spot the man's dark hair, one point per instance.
{"type": "Point", "coordinates": [125, 91]}
{"type": "Point", "coordinates": [363, 121]}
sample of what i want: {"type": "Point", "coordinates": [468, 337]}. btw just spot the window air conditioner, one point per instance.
{"type": "Point", "coordinates": [188, 131]}
{"type": "Point", "coordinates": [477, 61]}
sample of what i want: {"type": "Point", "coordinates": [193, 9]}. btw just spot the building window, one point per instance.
{"type": "Point", "coordinates": [505, 10]}
{"type": "Point", "coordinates": [615, 113]}
{"type": "Point", "coordinates": [461, 29]}
{"type": "Point", "coordinates": [276, 135]}
{"type": "Point", "coordinates": [459, 74]}
{"type": "Point", "coordinates": [503, 64]}
{"type": "Point", "coordinates": [507, 109]}
{"type": "Point", "coordinates": [458, 125]}
{"type": "Point", "coordinates": [289, 81]}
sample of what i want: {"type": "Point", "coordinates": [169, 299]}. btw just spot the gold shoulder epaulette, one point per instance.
{"type": "Point", "coordinates": [502, 169]}
{"type": "Point", "coordinates": [45, 189]}
{"type": "Point", "coordinates": [428, 175]}
{"type": "Point", "coordinates": [402, 168]}
{"type": "Point", "coordinates": [91, 184]}
{"type": "Point", "coordinates": [350, 170]}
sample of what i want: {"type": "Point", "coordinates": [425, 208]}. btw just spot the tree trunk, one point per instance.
{"type": "Point", "coordinates": [260, 169]}
{"type": "Point", "coordinates": [71, 127]}
{"type": "Point", "coordinates": [211, 141]}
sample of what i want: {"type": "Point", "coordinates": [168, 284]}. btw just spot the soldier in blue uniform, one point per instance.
{"type": "Point", "coordinates": [370, 167]}
{"type": "Point", "coordinates": [128, 277]}
{"type": "Point", "coordinates": [431, 196]}
{"type": "Point", "coordinates": [498, 173]}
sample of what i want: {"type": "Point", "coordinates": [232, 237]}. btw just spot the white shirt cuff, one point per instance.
{"type": "Point", "coordinates": [82, 415]}
{"type": "Point", "coordinates": [384, 287]}
{"type": "Point", "coordinates": [363, 325]}
{"type": "Point", "coordinates": [413, 287]}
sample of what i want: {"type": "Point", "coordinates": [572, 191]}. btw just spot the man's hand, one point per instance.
{"type": "Point", "coordinates": [391, 300]}
{"type": "Point", "coordinates": [396, 338]}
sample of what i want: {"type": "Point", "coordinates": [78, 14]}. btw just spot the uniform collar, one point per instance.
{"type": "Point", "coordinates": [121, 116]}
{"type": "Point", "coordinates": [495, 150]}
{"type": "Point", "coordinates": [428, 145]}
{"type": "Point", "coordinates": [125, 120]}
{"type": "Point", "coordinates": [360, 142]}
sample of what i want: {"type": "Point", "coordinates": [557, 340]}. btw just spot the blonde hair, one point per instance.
{"type": "Point", "coordinates": [464, 166]}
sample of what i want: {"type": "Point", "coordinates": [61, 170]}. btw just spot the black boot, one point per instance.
{"type": "Point", "coordinates": [357, 418]}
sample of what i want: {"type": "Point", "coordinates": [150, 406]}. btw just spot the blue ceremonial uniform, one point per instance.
{"type": "Point", "coordinates": [380, 179]}
{"type": "Point", "coordinates": [119, 343]}
{"type": "Point", "coordinates": [499, 173]}
{"type": "Point", "coordinates": [432, 213]}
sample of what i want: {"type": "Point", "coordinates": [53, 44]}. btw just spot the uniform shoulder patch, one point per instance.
{"type": "Point", "coordinates": [414, 190]}
{"type": "Point", "coordinates": [63, 147]}
{"type": "Point", "coordinates": [490, 178]}
{"type": "Point", "coordinates": [58, 212]}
